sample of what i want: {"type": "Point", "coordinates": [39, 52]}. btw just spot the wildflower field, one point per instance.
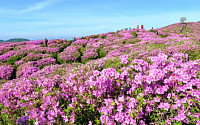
{"type": "Point", "coordinates": [127, 77]}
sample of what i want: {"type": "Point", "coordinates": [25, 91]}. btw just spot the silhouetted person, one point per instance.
{"type": "Point", "coordinates": [45, 41]}
{"type": "Point", "coordinates": [157, 32]}
{"type": "Point", "coordinates": [73, 39]}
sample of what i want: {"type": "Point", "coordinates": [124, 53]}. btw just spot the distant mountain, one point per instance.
{"type": "Point", "coordinates": [14, 40]}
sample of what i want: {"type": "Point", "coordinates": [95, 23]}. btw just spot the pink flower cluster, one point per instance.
{"type": "Point", "coordinates": [71, 53]}
{"type": "Point", "coordinates": [6, 71]}
{"type": "Point", "coordinates": [6, 56]}
{"type": "Point", "coordinates": [124, 59]}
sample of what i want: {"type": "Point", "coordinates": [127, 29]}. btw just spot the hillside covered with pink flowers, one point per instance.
{"type": "Point", "coordinates": [126, 77]}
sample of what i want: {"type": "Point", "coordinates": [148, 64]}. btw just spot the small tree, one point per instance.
{"type": "Point", "coordinates": [183, 19]}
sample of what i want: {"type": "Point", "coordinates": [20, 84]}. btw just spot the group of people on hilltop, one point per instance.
{"type": "Point", "coordinates": [74, 38]}
{"type": "Point", "coordinates": [46, 42]}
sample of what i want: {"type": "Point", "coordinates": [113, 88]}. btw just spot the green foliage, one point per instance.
{"type": "Point", "coordinates": [59, 61]}
{"type": "Point", "coordinates": [86, 114]}
{"type": "Point", "coordinates": [158, 46]}
{"type": "Point", "coordinates": [54, 55]}
{"type": "Point", "coordinates": [113, 63]}
{"type": "Point", "coordinates": [13, 59]}
{"type": "Point", "coordinates": [81, 50]}
{"type": "Point", "coordinates": [153, 31]}
{"type": "Point", "coordinates": [124, 41]}
{"type": "Point", "coordinates": [5, 120]}
{"type": "Point", "coordinates": [104, 37]}
{"type": "Point", "coordinates": [134, 41]}
{"type": "Point", "coordinates": [65, 45]}
{"type": "Point", "coordinates": [119, 36]}
{"type": "Point", "coordinates": [101, 53]}
{"type": "Point", "coordinates": [69, 41]}
{"type": "Point", "coordinates": [134, 34]}
{"type": "Point", "coordinates": [193, 55]}
{"type": "Point", "coordinates": [162, 36]}
{"type": "Point", "coordinates": [95, 36]}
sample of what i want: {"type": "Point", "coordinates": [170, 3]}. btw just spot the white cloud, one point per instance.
{"type": "Point", "coordinates": [38, 6]}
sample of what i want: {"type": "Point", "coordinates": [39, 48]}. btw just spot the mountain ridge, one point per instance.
{"type": "Point", "coordinates": [14, 40]}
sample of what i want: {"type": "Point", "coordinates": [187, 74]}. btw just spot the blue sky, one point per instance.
{"type": "Point", "coordinates": [37, 19]}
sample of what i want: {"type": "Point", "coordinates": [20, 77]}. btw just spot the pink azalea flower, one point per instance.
{"type": "Point", "coordinates": [65, 118]}
{"type": "Point", "coordinates": [156, 99]}
{"type": "Point", "coordinates": [90, 123]}
{"type": "Point", "coordinates": [166, 106]}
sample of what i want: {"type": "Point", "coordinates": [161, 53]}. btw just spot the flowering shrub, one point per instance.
{"type": "Point", "coordinates": [6, 56]}
{"type": "Point", "coordinates": [36, 42]}
{"type": "Point", "coordinates": [52, 50]}
{"type": "Point", "coordinates": [46, 61]}
{"type": "Point", "coordinates": [124, 59]}
{"type": "Point", "coordinates": [6, 72]}
{"type": "Point", "coordinates": [71, 53]}
{"type": "Point", "coordinates": [32, 57]}
{"type": "Point", "coordinates": [27, 69]}
{"type": "Point", "coordinates": [81, 42]}
{"type": "Point", "coordinates": [89, 55]}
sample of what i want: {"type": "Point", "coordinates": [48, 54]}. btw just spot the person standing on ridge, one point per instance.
{"type": "Point", "coordinates": [157, 32]}
{"type": "Point", "coordinates": [88, 38]}
{"type": "Point", "coordinates": [45, 42]}
{"type": "Point", "coordinates": [73, 39]}
{"type": "Point", "coordinates": [58, 41]}
{"type": "Point", "coordinates": [142, 26]}
{"type": "Point", "coordinates": [137, 27]}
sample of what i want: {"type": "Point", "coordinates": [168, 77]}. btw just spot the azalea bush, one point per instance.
{"type": "Point", "coordinates": [7, 55]}
{"type": "Point", "coordinates": [27, 69]}
{"type": "Point", "coordinates": [71, 53]}
{"type": "Point", "coordinates": [6, 71]}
